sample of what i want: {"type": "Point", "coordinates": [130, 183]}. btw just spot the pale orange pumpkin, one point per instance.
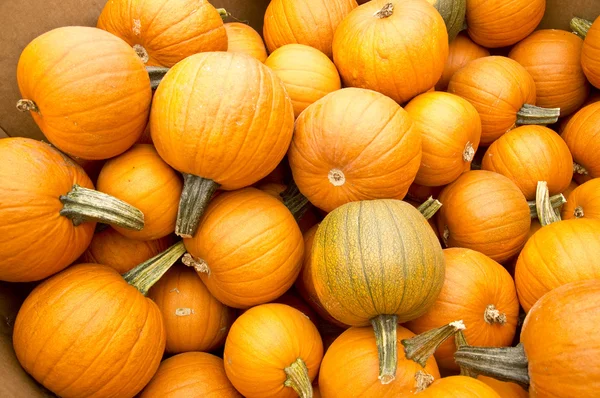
{"type": "Point", "coordinates": [459, 387]}
{"type": "Point", "coordinates": [590, 54]}
{"type": "Point", "coordinates": [583, 201]}
{"type": "Point", "coordinates": [242, 38]}
{"type": "Point", "coordinates": [461, 51]}
{"type": "Point", "coordinates": [581, 136]}
{"type": "Point", "coordinates": [505, 389]}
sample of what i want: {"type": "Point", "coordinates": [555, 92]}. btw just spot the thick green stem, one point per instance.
{"type": "Point", "coordinates": [386, 11]}
{"type": "Point", "coordinates": [145, 275]}
{"type": "Point", "coordinates": [546, 213]}
{"type": "Point", "coordinates": [421, 347]}
{"type": "Point", "coordinates": [156, 74]}
{"type": "Point", "coordinates": [531, 114]}
{"type": "Point", "coordinates": [25, 105]}
{"type": "Point", "coordinates": [461, 341]}
{"type": "Point", "coordinates": [387, 346]}
{"type": "Point", "coordinates": [454, 15]}
{"type": "Point", "coordinates": [298, 379]}
{"type": "Point", "coordinates": [580, 26]}
{"type": "Point", "coordinates": [84, 205]}
{"type": "Point", "coordinates": [293, 199]}
{"type": "Point", "coordinates": [556, 202]}
{"type": "Point", "coordinates": [196, 194]}
{"type": "Point", "coordinates": [429, 207]}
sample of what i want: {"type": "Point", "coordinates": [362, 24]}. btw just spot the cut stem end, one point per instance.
{"type": "Point", "coordinates": [298, 379]}
{"type": "Point", "coordinates": [386, 11]}
{"type": "Point", "coordinates": [531, 114]}
{"type": "Point", "coordinates": [25, 105]}
{"type": "Point", "coordinates": [429, 207]}
{"type": "Point", "coordinates": [580, 26]}
{"type": "Point", "coordinates": [421, 347]}
{"type": "Point", "coordinates": [469, 152]}
{"type": "Point", "coordinates": [491, 315]}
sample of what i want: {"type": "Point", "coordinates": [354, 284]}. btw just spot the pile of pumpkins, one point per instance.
{"type": "Point", "coordinates": [247, 227]}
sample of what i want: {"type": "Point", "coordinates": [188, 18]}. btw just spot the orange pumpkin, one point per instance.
{"type": "Point", "coordinates": [504, 388]}
{"type": "Point", "coordinates": [553, 58]}
{"type": "Point", "coordinates": [459, 387]}
{"type": "Point", "coordinates": [242, 38]}
{"type": "Point", "coordinates": [590, 55]}
{"type": "Point", "coordinates": [593, 97]}
{"type": "Point", "coordinates": [486, 212]}
{"type": "Point", "coordinates": [501, 23]}
{"type": "Point", "coordinates": [450, 130]}
{"type": "Point", "coordinates": [566, 192]}
{"type": "Point", "coordinates": [584, 201]}
{"type": "Point", "coordinates": [377, 150]}
{"type": "Point", "coordinates": [307, 73]}
{"type": "Point", "coordinates": [248, 249]}
{"type": "Point", "coordinates": [504, 94]}
{"type": "Point", "coordinates": [461, 51]}
{"type": "Point", "coordinates": [310, 22]}
{"type": "Point", "coordinates": [229, 147]}
{"type": "Point", "coordinates": [164, 32]}
{"type": "Point", "coordinates": [273, 350]}
{"type": "Point", "coordinates": [366, 43]}
{"type": "Point", "coordinates": [581, 134]}
{"type": "Point", "coordinates": [86, 90]}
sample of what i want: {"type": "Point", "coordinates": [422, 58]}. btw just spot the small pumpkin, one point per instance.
{"type": "Point", "coordinates": [273, 350]}
{"type": "Point", "coordinates": [504, 388]}
{"type": "Point", "coordinates": [163, 33]}
{"type": "Point", "coordinates": [450, 130]}
{"type": "Point", "coordinates": [86, 89]}
{"type": "Point", "coordinates": [307, 73]}
{"type": "Point", "coordinates": [583, 201]}
{"type": "Point", "coordinates": [242, 38]}
{"type": "Point", "coordinates": [580, 134]}
{"type": "Point", "coordinates": [461, 51]}
{"type": "Point", "coordinates": [590, 55]}
{"type": "Point", "coordinates": [593, 97]}
{"type": "Point", "coordinates": [366, 43]}
{"type": "Point", "coordinates": [459, 387]}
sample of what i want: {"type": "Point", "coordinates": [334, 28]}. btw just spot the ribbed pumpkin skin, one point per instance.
{"type": "Point", "coordinates": [307, 73]}
{"type": "Point", "coordinates": [459, 387]}
{"type": "Point", "coordinates": [192, 374]}
{"type": "Point", "coordinates": [553, 58]}
{"type": "Point", "coordinates": [241, 38]}
{"type": "Point", "coordinates": [590, 54]}
{"type": "Point", "coordinates": [473, 281]}
{"type": "Point", "coordinates": [501, 23]}
{"type": "Point", "coordinates": [581, 135]}
{"type": "Point", "coordinates": [169, 30]}
{"type": "Point", "coordinates": [505, 389]}
{"type": "Point", "coordinates": [486, 212]}
{"type": "Point", "coordinates": [448, 124]}
{"type": "Point", "coordinates": [110, 248]}
{"type": "Point", "coordinates": [310, 22]}
{"type": "Point", "coordinates": [32, 178]}
{"type": "Point", "coordinates": [529, 154]}
{"type": "Point", "coordinates": [365, 48]}
{"type": "Point", "coordinates": [557, 254]}
{"type": "Point", "coordinates": [461, 51]}
{"type": "Point", "coordinates": [350, 367]}
{"type": "Point", "coordinates": [92, 90]}
{"type": "Point", "coordinates": [194, 319]}
{"type": "Point", "coordinates": [87, 332]}
{"type": "Point", "coordinates": [265, 340]}
{"type": "Point", "coordinates": [587, 197]}
{"type": "Point", "coordinates": [497, 87]}
{"type": "Point", "coordinates": [564, 364]}
{"type": "Point", "coordinates": [252, 246]}
{"type": "Point", "coordinates": [360, 135]}
{"type": "Point", "coordinates": [376, 257]}
{"type": "Point", "coordinates": [141, 178]}
{"type": "Point", "coordinates": [234, 145]}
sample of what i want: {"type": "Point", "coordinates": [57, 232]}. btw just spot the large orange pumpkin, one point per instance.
{"type": "Point", "coordinates": [581, 136]}
{"type": "Point", "coordinates": [504, 388]}
{"type": "Point", "coordinates": [590, 55]}
{"type": "Point", "coordinates": [367, 42]}
{"type": "Point", "coordinates": [354, 144]}
{"type": "Point", "coordinates": [459, 387]}
{"type": "Point", "coordinates": [215, 145]}
{"type": "Point", "coordinates": [461, 51]}
{"type": "Point", "coordinates": [583, 201]}
{"type": "Point", "coordinates": [242, 38]}
{"type": "Point", "coordinates": [163, 32]}
{"type": "Point", "coordinates": [86, 90]}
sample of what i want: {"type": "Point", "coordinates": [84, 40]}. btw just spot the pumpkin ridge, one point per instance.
{"type": "Point", "coordinates": [404, 271]}
{"type": "Point", "coordinates": [362, 261]}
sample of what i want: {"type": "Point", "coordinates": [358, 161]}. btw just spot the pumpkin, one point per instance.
{"type": "Point", "coordinates": [273, 350]}
{"type": "Point", "coordinates": [590, 56]}
{"type": "Point", "coordinates": [87, 331]}
{"type": "Point", "coordinates": [242, 38]}
{"type": "Point", "coordinates": [86, 89]}
{"type": "Point", "coordinates": [584, 201]}
{"type": "Point", "coordinates": [48, 210]}
{"type": "Point", "coordinates": [450, 130]}
{"type": "Point", "coordinates": [163, 33]}
{"type": "Point", "coordinates": [453, 12]}
{"type": "Point", "coordinates": [504, 94]}
{"type": "Point", "coordinates": [231, 146]}
{"type": "Point", "coordinates": [307, 73]}
{"type": "Point", "coordinates": [562, 123]}
{"type": "Point", "coordinates": [110, 248]}
{"type": "Point", "coordinates": [377, 262]}
{"type": "Point", "coordinates": [248, 249]}
{"type": "Point", "coordinates": [501, 23]}
{"type": "Point", "coordinates": [377, 150]}
{"type": "Point", "coordinates": [580, 134]}
{"type": "Point", "coordinates": [461, 51]}
{"type": "Point", "coordinates": [310, 22]}
{"type": "Point", "coordinates": [572, 185]}
{"type": "Point", "coordinates": [516, 155]}
{"type": "Point", "coordinates": [459, 387]}
{"type": "Point", "coordinates": [503, 388]}
{"type": "Point", "coordinates": [479, 291]}
{"type": "Point", "coordinates": [366, 43]}
{"type": "Point", "coordinates": [556, 356]}
{"type": "Point", "coordinates": [142, 178]}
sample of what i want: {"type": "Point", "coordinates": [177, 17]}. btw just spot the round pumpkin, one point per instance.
{"type": "Point", "coordinates": [450, 130]}
{"type": "Point", "coordinates": [377, 149]}
{"type": "Point", "coordinates": [461, 51]}
{"type": "Point", "coordinates": [307, 73]}
{"type": "Point", "coordinates": [583, 201]}
{"type": "Point", "coordinates": [86, 89]}
{"type": "Point", "coordinates": [459, 387]}
{"type": "Point", "coordinates": [230, 146]}
{"type": "Point", "coordinates": [504, 388]}
{"type": "Point", "coordinates": [164, 32]}
{"type": "Point", "coordinates": [486, 212]}
{"type": "Point", "coordinates": [242, 38]}
{"type": "Point", "coordinates": [366, 43]}
{"type": "Point", "coordinates": [273, 350]}
{"type": "Point", "coordinates": [593, 97]}
{"type": "Point", "coordinates": [590, 54]}
{"type": "Point", "coordinates": [581, 134]}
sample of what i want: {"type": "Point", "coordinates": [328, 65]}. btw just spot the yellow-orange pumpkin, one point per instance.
{"type": "Point", "coordinates": [459, 387]}
{"type": "Point", "coordinates": [583, 201]}
{"type": "Point", "coordinates": [242, 38]}
{"type": "Point", "coordinates": [461, 51]}
{"type": "Point", "coordinates": [590, 56]}
{"type": "Point", "coordinates": [581, 136]}
{"type": "Point", "coordinates": [505, 389]}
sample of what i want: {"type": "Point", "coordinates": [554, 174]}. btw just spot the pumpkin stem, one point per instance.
{"type": "Point", "coordinates": [423, 380]}
{"type": "Point", "coordinates": [197, 263]}
{"type": "Point", "coordinates": [580, 26]}
{"type": "Point", "coordinates": [223, 13]}
{"type": "Point", "coordinates": [26, 105]}
{"type": "Point", "coordinates": [556, 201]}
{"type": "Point", "coordinates": [531, 114]}
{"type": "Point", "coordinates": [502, 363]}
{"type": "Point", "coordinates": [546, 213]}
{"type": "Point", "coordinates": [386, 11]}
{"type": "Point", "coordinates": [146, 274]}
{"type": "Point", "coordinates": [578, 212]}
{"type": "Point", "coordinates": [579, 169]}
{"type": "Point", "coordinates": [468, 152]}
{"type": "Point", "coordinates": [429, 207]}
{"type": "Point", "coordinates": [421, 347]}
{"type": "Point", "coordinates": [446, 235]}
{"type": "Point", "coordinates": [87, 205]}
{"type": "Point", "coordinates": [293, 199]}
{"type": "Point", "coordinates": [156, 74]}
{"type": "Point", "coordinates": [461, 341]}
{"type": "Point", "coordinates": [195, 196]}
{"type": "Point", "coordinates": [141, 52]}
{"type": "Point", "coordinates": [336, 177]}
{"type": "Point", "coordinates": [298, 379]}
{"type": "Point", "coordinates": [492, 315]}
{"type": "Point", "coordinates": [387, 346]}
